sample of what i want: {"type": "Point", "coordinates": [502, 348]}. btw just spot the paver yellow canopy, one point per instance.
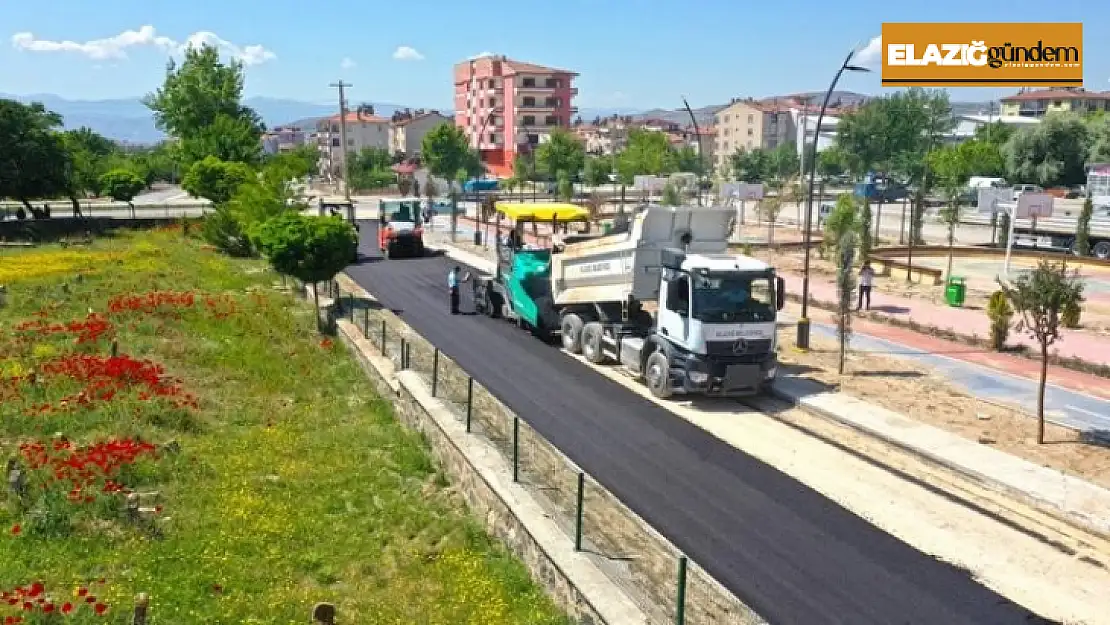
{"type": "Point", "coordinates": [542, 211]}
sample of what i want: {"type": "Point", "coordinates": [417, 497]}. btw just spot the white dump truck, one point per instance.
{"type": "Point", "coordinates": [664, 299]}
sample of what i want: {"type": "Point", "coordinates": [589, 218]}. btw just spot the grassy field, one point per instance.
{"type": "Point", "coordinates": [267, 474]}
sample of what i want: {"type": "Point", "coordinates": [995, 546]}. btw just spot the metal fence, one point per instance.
{"type": "Point", "coordinates": [667, 586]}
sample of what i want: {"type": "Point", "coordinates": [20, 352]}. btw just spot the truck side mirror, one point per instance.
{"type": "Point", "coordinates": [780, 293]}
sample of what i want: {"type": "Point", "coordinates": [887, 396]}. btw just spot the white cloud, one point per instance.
{"type": "Point", "coordinates": [405, 53]}
{"type": "Point", "coordinates": [116, 46]}
{"type": "Point", "coordinates": [871, 55]}
{"type": "Point", "coordinates": [347, 63]}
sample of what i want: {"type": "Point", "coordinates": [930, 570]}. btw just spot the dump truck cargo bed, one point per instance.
{"type": "Point", "coordinates": [618, 266]}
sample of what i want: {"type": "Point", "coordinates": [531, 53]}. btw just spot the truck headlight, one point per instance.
{"type": "Point", "coordinates": [698, 377]}
{"type": "Point", "coordinates": [771, 372]}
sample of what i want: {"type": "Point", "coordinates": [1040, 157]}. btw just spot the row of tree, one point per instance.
{"type": "Point", "coordinates": [41, 161]}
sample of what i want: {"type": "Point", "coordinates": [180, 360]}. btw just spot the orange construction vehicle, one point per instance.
{"type": "Point", "coordinates": [400, 228]}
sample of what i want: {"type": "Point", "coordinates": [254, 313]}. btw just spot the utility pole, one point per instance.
{"type": "Point", "coordinates": [343, 136]}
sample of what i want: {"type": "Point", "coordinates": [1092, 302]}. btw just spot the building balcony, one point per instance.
{"type": "Point", "coordinates": [538, 106]}
{"type": "Point", "coordinates": [536, 87]}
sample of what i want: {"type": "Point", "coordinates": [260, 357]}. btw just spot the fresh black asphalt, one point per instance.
{"type": "Point", "coordinates": [791, 554]}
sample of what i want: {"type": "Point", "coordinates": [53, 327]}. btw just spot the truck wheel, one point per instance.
{"type": "Point", "coordinates": [571, 329]}
{"type": "Point", "coordinates": [1102, 250]}
{"type": "Point", "coordinates": [657, 375]}
{"type": "Point", "coordinates": [591, 342]}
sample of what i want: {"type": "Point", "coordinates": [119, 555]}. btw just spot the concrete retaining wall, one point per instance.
{"type": "Point", "coordinates": [638, 564]}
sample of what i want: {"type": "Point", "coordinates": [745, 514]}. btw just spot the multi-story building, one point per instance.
{"type": "Point", "coordinates": [509, 107]}
{"type": "Point", "coordinates": [748, 124]}
{"type": "Point", "coordinates": [283, 139]}
{"type": "Point", "coordinates": [407, 130]}
{"type": "Point", "coordinates": [363, 131]}
{"type": "Point", "coordinates": [1038, 102]}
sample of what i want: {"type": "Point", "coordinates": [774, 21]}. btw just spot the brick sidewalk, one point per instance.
{"type": "Point", "coordinates": [966, 321]}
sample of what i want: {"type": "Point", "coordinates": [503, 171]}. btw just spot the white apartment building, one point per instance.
{"type": "Point", "coordinates": [363, 131]}
{"type": "Point", "coordinates": [407, 131]}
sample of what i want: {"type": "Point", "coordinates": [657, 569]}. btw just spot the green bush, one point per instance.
{"type": "Point", "coordinates": [311, 249]}
{"type": "Point", "coordinates": [1070, 313]}
{"type": "Point", "coordinates": [222, 230]}
{"type": "Point", "coordinates": [1000, 313]}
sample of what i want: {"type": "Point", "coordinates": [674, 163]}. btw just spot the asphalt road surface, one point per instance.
{"type": "Point", "coordinates": [794, 556]}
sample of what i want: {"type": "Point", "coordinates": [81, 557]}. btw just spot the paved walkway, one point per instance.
{"type": "Point", "coordinates": [966, 321]}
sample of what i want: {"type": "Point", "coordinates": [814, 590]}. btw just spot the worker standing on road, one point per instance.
{"type": "Point", "coordinates": [453, 286]}
{"type": "Point", "coordinates": [866, 277]}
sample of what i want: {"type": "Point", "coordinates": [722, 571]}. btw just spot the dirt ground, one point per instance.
{"type": "Point", "coordinates": [907, 388]}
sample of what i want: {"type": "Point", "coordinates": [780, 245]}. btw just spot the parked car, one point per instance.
{"type": "Point", "coordinates": [1026, 188]}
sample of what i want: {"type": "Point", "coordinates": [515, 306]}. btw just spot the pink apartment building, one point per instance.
{"type": "Point", "coordinates": [508, 107]}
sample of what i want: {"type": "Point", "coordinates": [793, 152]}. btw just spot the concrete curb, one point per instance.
{"type": "Point", "coordinates": [1097, 526]}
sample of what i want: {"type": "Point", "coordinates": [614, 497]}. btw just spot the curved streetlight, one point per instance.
{"type": "Point", "coordinates": [802, 341]}
{"type": "Point", "coordinates": [701, 149]}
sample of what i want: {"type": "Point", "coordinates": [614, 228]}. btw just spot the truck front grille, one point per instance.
{"type": "Point", "coordinates": [757, 350]}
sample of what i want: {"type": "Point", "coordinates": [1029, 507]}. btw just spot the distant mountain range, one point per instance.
{"type": "Point", "coordinates": [128, 120]}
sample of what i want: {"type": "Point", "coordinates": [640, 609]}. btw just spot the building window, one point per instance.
{"type": "Point", "coordinates": [335, 143]}
{"type": "Point", "coordinates": [529, 82]}
{"type": "Point", "coordinates": [529, 101]}
{"type": "Point", "coordinates": [551, 120]}
{"type": "Point", "coordinates": [533, 139]}
{"type": "Point", "coordinates": [529, 120]}
{"type": "Point", "coordinates": [751, 133]}
{"type": "Point", "coordinates": [350, 142]}
{"type": "Point", "coordinates": [751, 119]}
{"type": "Point", "coordinates": [552, 83]}
{"type": "Point", "coordinates": [335, 127]}
{"type": "Point", "coordinates": [552, 102]}
{"type": "Point", "coordinates": [492, 138]}
{"type": "Point", "coordinates": [493, 102]}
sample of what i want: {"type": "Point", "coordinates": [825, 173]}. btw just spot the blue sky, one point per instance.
{"type": "Point", "coordinates": [630, 53]}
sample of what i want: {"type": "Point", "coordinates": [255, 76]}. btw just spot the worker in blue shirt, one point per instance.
{"type": "Point", "coordinates": [453, 287]}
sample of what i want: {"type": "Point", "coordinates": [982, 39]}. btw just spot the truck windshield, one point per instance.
{"type": "Point", "coordinates": [733, 298]}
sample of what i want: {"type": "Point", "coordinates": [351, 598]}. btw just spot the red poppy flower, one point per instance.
{"type": "Point", "coordinates": [17, 530]}
{"type": "Point", "coordinates": [90, 599]}
{"type": "Point", "coordinates": [67, 607]}
{"type": "Point", "coordinates": [48, 608]}
{"type": "Point", "coordinates": [28, 606]}
{"type": "Point", "coordinates": [81, 592]}
{"type": "Point", "coordinates": [101, 608]}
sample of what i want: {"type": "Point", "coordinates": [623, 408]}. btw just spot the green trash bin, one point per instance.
{"type": "Point", "coordinates": [955, 291]}
{"type": "Point", "coordinates": [606, 228]}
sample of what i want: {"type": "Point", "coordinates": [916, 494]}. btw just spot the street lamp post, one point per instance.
{"type": "Point", "coordinates": [479, 216]}
{"type": "Point", "coordinates": [701, 149]}
{"type": "Point", "coordinates": [802, 341]}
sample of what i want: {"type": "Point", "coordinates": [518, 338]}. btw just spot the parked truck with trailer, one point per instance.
{"type": "Point", "coordinates": [1055, 232]}
{"type": "Point", "coordinates": [664, 300]}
